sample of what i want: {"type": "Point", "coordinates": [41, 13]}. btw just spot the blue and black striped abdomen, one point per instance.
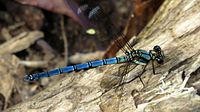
{"type": "Point", "coordinates": [76, 67]}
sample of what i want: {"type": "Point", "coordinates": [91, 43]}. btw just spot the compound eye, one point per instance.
{"type": "Point", "coordinates": [160, 61]}
{"type": "Point", "coordinates": [157, 48]}
{"type": "Point", "coordinates": [28, 78]}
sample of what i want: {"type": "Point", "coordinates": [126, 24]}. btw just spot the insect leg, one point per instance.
{"type": "Point", "coordinates": [139, 76]}
{"type": "Point", "coordinates": [153, 67]}
{"type": "Point", "coordinates": [142, 73]}
{"type": "Point", "coordinates": [123, 73]}
{"type": "Point", "coordinates": [126, 71]}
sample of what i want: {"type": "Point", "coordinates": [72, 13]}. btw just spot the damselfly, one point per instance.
{"type": "Point", "coordinates": [139, 57]}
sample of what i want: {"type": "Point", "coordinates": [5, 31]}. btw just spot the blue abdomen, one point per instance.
{"type": "Point", "coordinates": [76, 67]}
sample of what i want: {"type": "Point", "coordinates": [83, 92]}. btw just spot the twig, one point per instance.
{"type": "Point", "coordinates": [34, 63]}
{"type": "Point", "coordinates": [62, 23]}
{"type": "Point", "coordinates": [20, 42]}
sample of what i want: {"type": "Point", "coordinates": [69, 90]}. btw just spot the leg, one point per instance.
{"type": "Point", "coordinates": [153, 67]}
{"type": "Point", "coordinates": [139, 76]}
{"type": "Point", "coordinates": [142, 73]}
{"type": "Point", "coordinates": [127, 69]}
{"type": "Point", "coordinates": [141, 81]}
{"type": "Point", "coordinates": [123, 74]}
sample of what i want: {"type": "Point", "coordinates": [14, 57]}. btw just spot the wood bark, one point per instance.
{"type": "Point", "coordinates": [176, 28]}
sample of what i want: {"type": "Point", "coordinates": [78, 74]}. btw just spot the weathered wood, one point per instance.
{"type": "Point", "coordinates": [176, 28]}
{"type": "Point", "coordinates": [20, 42]}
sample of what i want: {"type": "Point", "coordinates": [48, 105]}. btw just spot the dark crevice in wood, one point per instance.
{"type": "Point", "coordinates": [178, 65]}
{"type": "Point", "coordinates": [193, 32]}
{"type": "Point", "coordinates": [195, 77]}
{"type": "Point", "coordinates": [2, 102]}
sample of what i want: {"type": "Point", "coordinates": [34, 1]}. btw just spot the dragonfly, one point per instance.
{"type": "Point", "coordinates": [137, 57]}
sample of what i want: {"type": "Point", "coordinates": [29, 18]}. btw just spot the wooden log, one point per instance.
{"type": "Point", "coordinates": [176, 28]}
